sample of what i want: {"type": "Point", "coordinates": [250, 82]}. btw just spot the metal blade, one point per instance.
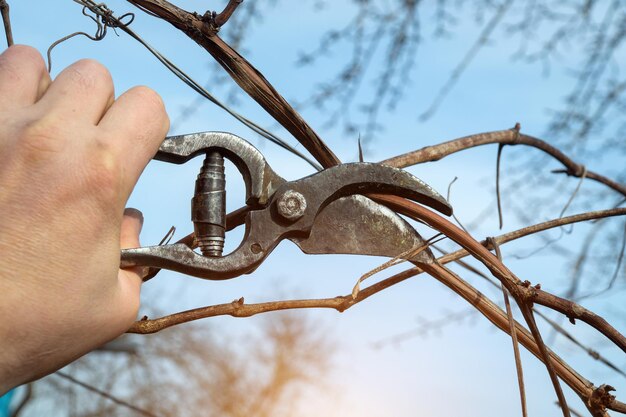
{"type": "Point", "coordinates": [357, 225]}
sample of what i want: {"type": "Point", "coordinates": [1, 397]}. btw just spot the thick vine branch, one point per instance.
{"type": "Point", "coordinates": [502, 239]}
{"type": "Point", "coordinates": [519, 289]}
{"type": "Point", "coordinates": [503, 137]}
{"type": "Point", "coordinates": [203, 30]}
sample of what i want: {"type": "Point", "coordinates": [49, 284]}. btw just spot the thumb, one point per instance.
{"type": "Point", "coordinates": [132, 223]}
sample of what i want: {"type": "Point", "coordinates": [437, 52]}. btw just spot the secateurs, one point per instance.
{"type": "Point", "coordinates": [323, 213]}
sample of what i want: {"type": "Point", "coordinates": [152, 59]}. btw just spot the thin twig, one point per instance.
{"type": "Point", "coordinates": [448, 195]}
{"type": "Point", "coordinates": [591, 352]}
{"type": "Point", "coordinates": [571, 198]}
{"type": "Point", "coordinates": [403, 257]}
{"type": "Point", "coordinates": [507, 137]}
{"type": "Point", "coordinates": [498, 199]}
{"type": "Point", "coordinates": [513, 333]}
{"type": "Point", "coordinates": [104, 394]}
{"type": "Point", "coordinates": [222, 18]}
{"type": "Point", "coordinates": [6, 19]}
{"type": "Point", "coordinates": [424, 328]}
{"type": "Point", "coordinates": [620, 259]}
{"type": "Point", "coordinates": [483, 38]}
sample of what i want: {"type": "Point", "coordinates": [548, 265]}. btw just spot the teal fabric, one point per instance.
{"type": "Point", "coordinates": [5, 400]}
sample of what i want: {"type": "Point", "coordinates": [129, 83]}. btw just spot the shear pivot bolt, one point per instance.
{"type": "Point", "coordinates": [291, 205]}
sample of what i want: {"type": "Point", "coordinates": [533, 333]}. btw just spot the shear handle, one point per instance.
{"type": "Point", "coordinates": [261, 181]}
{"type": "Point", "coordinates": [266, 227]}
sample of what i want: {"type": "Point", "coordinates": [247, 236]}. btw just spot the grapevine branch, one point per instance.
{"type": "Point", "coordinates": [203, 30]}
{"type": "Point", "coordinates": [502, 137]}
{"type": "Point", "coordinates": [513, 333]}
{"type": "Point", "coordinates": [519, 289]}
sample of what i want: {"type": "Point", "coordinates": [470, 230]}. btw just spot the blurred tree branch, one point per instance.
{"type": "Point", "coordinates": [262, 378]}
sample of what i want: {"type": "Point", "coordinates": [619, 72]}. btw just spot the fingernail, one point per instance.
{"type": "Point", "coordinates": [135, 214]}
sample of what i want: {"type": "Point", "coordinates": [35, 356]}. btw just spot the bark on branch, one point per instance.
{"type": "Point", "coordinates": [504, 137]}
{"type": "Point", "coordinates": [204, 31]}
{"type": "Point", "coordinates": [519, 289]}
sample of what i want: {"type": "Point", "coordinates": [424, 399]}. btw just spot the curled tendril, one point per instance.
{"type": "Point", "coordinates": [103, 18]}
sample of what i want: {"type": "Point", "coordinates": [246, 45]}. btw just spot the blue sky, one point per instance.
{"type": "Point", "coordinates": [456, 372]}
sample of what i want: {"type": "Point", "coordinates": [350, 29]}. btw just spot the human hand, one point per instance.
{"type": "Point", "coordinates": [70, 155]}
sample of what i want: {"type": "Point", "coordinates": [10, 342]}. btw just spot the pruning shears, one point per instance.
{"type": "Point", "coordinates": [324, 213]}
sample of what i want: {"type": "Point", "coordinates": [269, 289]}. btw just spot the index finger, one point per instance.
{"type": "Point", "coordinates": [135, 125]}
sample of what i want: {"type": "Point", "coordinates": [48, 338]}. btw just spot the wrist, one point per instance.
{"type": "Point", "coordinates": [8, 377]}
{"type": "Point", "coordinates": [9, 351]}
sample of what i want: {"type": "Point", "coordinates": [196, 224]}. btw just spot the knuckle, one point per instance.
{"type": "Point", "coordinates": [89, 74]}
{"type": "Point", "coordinates": [103, 177]}
{"type": "Point", "coordinates": [17, 58]}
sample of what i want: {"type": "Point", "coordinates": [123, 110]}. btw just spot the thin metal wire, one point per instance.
{"type": "Point", "coordinates": [104, 17]}
{"type": "Point", "coordinates": [103, 20]}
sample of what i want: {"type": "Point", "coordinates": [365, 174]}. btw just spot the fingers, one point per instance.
{"type": "Point", "coordinates": [23, 77]}
{"type": "Point", "coordinates": [138, 123]}
{"type": "Point", "coordinates": [82, 91]}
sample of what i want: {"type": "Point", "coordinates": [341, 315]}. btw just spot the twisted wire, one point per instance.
{"type": "Point", "coordinates": [104, 18]}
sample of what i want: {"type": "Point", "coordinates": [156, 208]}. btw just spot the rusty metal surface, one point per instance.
{"type": "Point", "coordinates": [356, 225]}
{"type": "Point", "coordinates": [261, 181]}
{"type": "Point", "coordinates": [321, 213]}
